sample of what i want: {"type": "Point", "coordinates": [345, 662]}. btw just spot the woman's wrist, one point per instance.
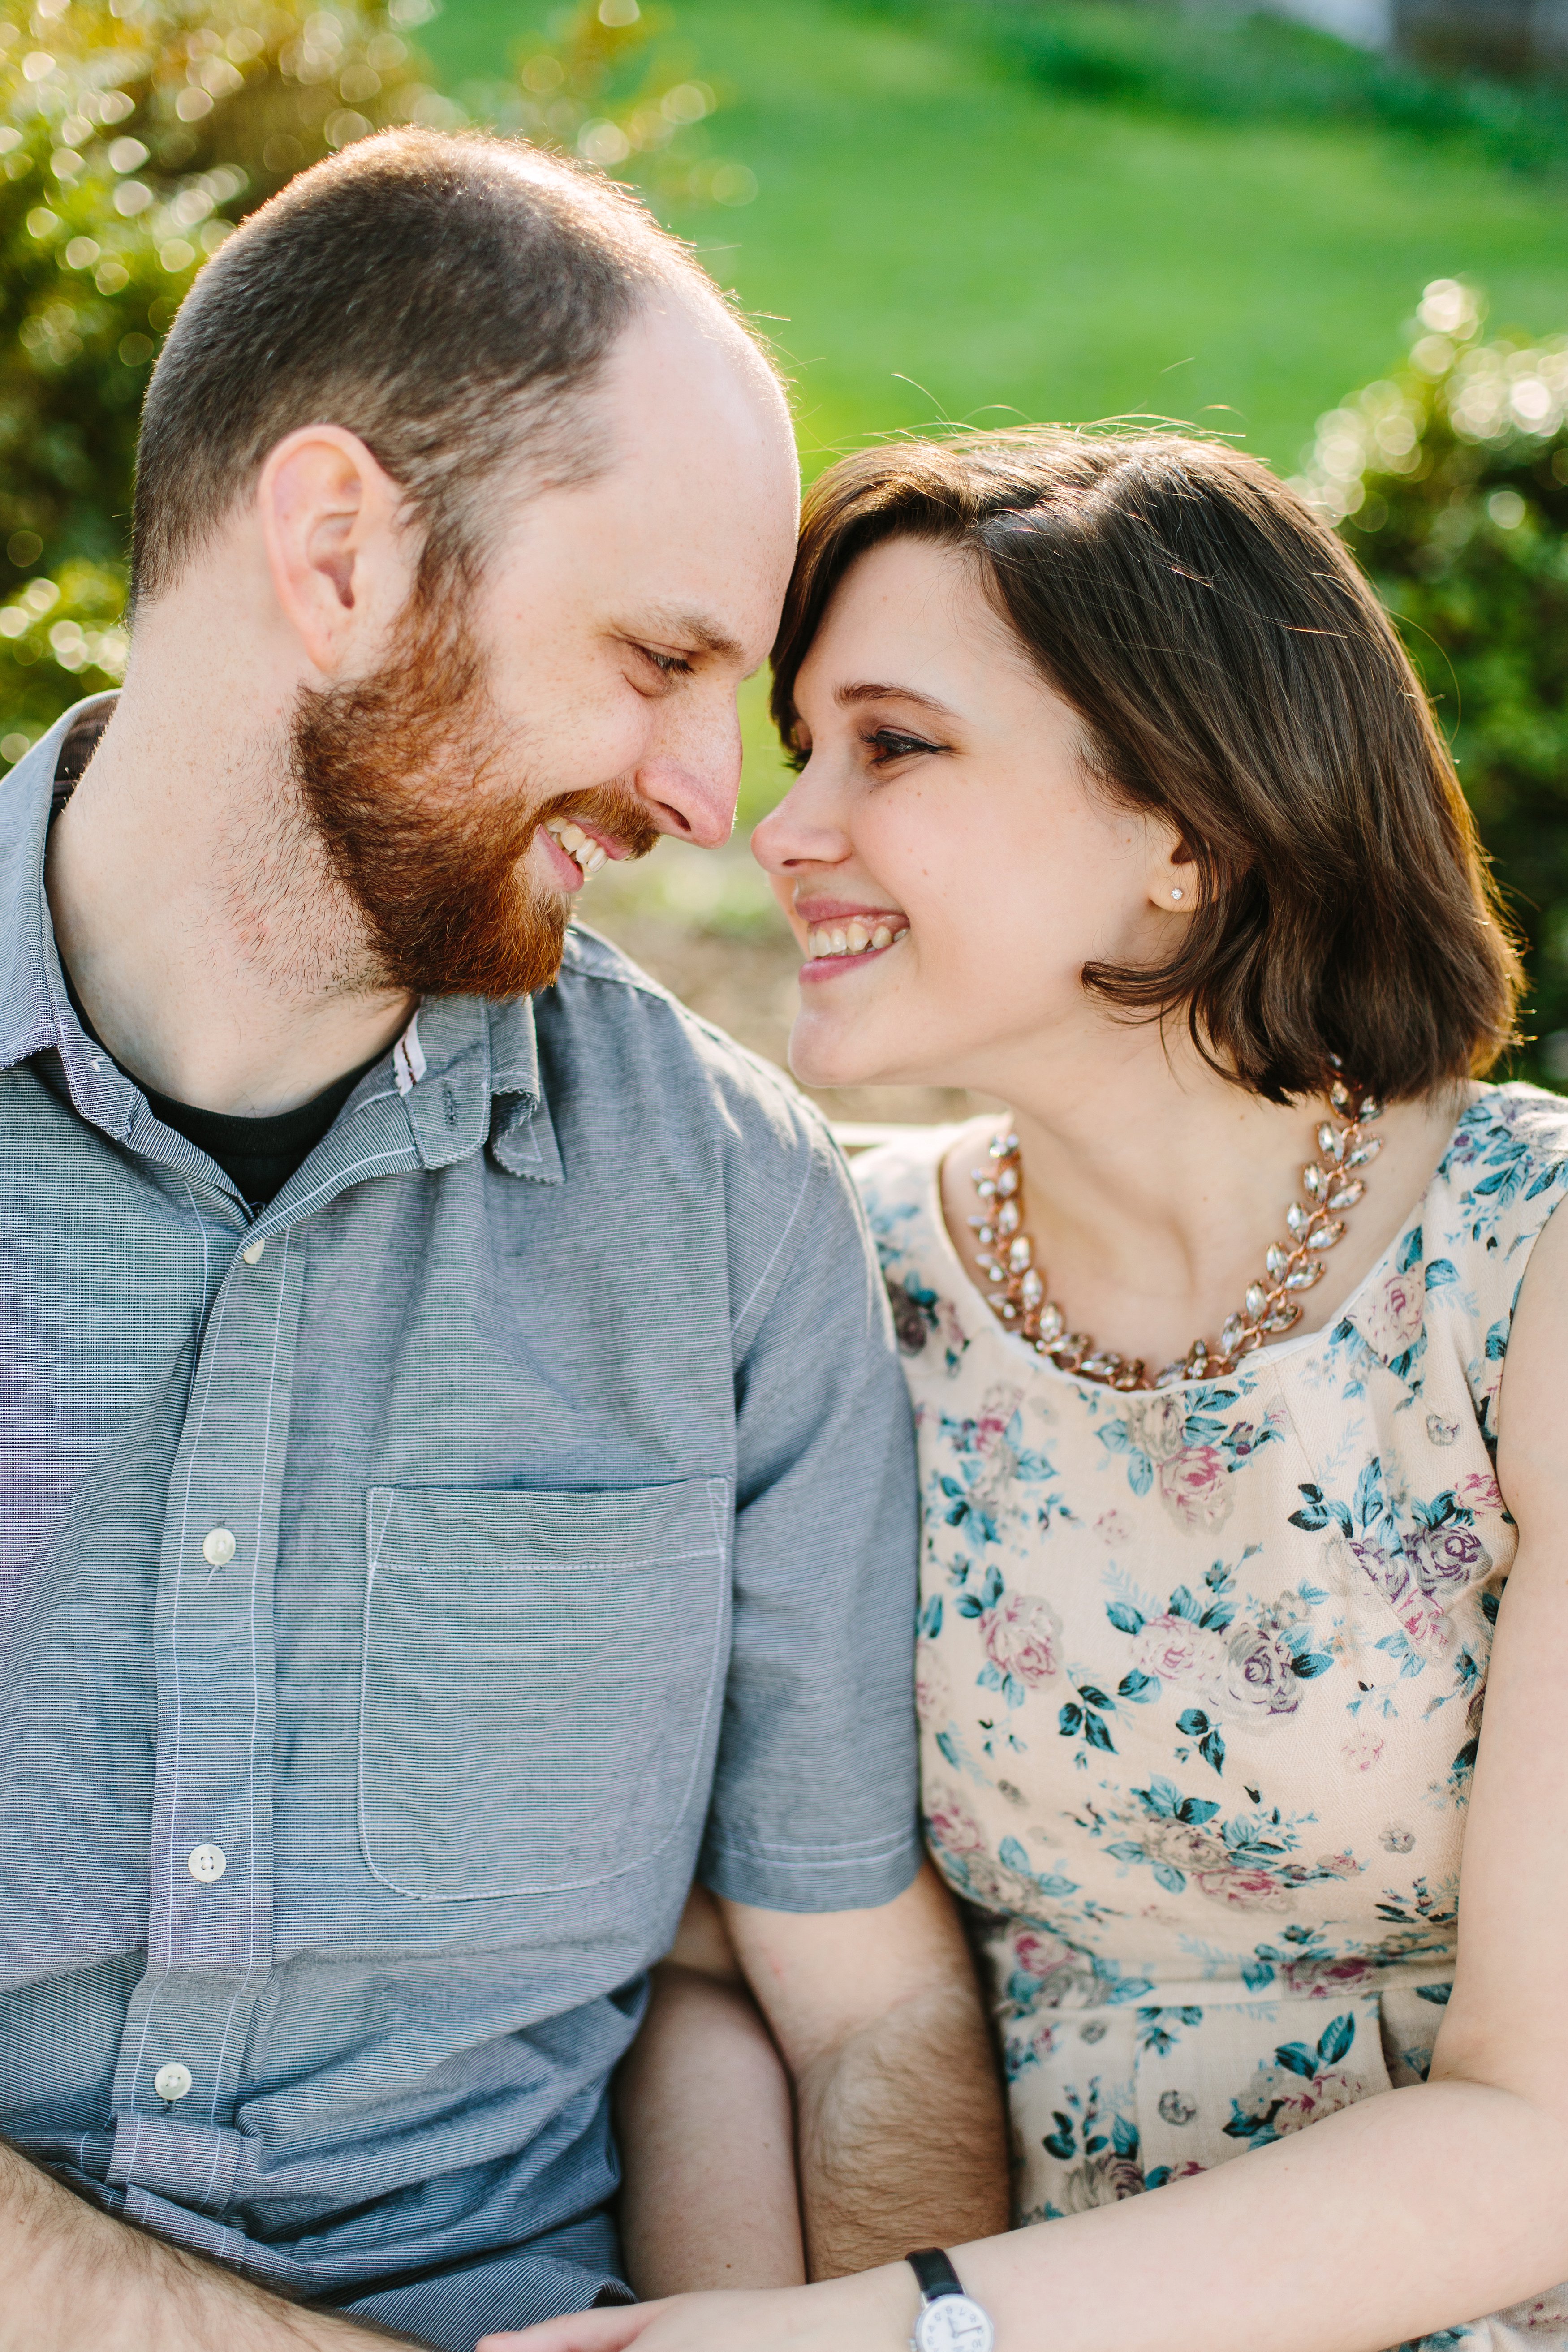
{"type": "Point", "coordinates": [880, 2306]}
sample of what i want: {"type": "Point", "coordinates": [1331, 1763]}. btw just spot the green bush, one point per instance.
{"type": "Point", "coordinates": [133, 135]}
{"type": "Point", "coordinates": [614, 86]}
{"type": "Point", "coordinates": [1450, 482]}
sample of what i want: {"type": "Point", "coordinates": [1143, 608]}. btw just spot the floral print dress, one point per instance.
{"type": "Point", "coordinates": [1200, 1676]}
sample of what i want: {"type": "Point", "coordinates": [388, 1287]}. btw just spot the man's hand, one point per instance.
{"type": "Point", "coordinates": [73, 2279]}
{"type": "Point", "coordinates": [902, 2141]}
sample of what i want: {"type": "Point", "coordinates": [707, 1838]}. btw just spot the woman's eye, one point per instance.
{"type": "Point", "coordinates": [890, 743]}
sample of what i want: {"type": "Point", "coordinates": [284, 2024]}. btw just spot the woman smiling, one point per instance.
{"type": "Point", "coordinates": [1236, 1347]}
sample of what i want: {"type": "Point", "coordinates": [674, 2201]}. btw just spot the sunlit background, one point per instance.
{"type": "Point", "coordinates": [1343, 241]}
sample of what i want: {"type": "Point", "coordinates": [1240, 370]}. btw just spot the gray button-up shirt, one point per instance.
{"type": "Point", "coordinates": [400, 1595]}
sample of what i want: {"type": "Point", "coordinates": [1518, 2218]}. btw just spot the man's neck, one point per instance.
{"type": "Point", "coordinates": [217, 955]}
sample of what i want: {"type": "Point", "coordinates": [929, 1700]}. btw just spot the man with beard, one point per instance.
{"type": "Point", "coordinates": [454, 1476]}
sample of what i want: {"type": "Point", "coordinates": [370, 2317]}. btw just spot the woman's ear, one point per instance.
{"type": "Point", "coordinates": [332, 523]}
{"type": "Point", "coordinates": [1173, 885]}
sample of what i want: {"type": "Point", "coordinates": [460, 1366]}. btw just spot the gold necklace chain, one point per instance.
{"type": "Point", "coordinates": [1015, 1285]}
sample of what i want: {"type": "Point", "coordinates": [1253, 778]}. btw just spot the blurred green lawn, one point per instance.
{"type": "Point", "coordinates": [935, 240]}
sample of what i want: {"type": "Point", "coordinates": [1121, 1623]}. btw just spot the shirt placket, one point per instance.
{"type": "Point", "coordinates": [210, 1909]}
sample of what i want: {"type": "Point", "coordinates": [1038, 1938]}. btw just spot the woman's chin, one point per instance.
{"type": "Point", "coordinates": [822, 1055]}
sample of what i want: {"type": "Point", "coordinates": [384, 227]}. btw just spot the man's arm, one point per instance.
{"type": "Point", "coordinates": [812, 1836]}
{"type": "Point", "coordinates": [901, 2129]}
{"type": "Point", "coordinates": [707, 2132]}
{"type": "Point", "coordinates": [72, 2277]}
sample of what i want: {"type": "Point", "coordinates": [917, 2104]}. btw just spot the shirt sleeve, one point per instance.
{"type": "Point", "coordinates": [815, 1795]}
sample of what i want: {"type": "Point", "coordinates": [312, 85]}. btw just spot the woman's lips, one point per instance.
{"type": "Point", "coordinates": [846, 945]}
{"type": "Point", "coordinates": [815, 912]}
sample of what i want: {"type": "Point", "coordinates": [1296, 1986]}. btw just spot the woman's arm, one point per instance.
{"type": "Point", "coordinates": [1384, 2222]}
{"type": "Point", "coordinates": [702, 2106]}
{"type": "Point", "coordinates": [1413, 2212]}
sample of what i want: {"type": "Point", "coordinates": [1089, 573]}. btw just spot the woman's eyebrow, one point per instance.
{"type": "Point", "coordinates": [847, 696]}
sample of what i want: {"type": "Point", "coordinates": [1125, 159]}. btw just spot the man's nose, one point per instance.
{"type": "Point", "coordinates": [691, 784]}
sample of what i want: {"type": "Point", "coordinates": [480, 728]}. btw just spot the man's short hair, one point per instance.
{"type": "Point", "coordinates": [450, 299]}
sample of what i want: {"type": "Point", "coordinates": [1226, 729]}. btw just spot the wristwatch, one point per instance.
{"type": "Point", "coordinates": [948, 2321]}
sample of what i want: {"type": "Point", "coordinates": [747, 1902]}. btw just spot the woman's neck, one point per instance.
{"type": "Point", "coordinates": [1152, 1193]}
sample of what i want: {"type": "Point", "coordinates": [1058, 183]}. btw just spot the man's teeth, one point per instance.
{"type": "Point", "coordinates": [855, 938]}
{"type": "Point", "coordinates": [588, 853]}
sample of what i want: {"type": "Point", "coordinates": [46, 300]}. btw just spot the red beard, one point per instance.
{"type": "Point", "coordinates": [393, 771]}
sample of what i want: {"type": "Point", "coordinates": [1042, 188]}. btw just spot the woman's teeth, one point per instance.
{"type": "Point", "coordinates": [588, 853]}
{"type": "Point", "coordinates": [854, 939]}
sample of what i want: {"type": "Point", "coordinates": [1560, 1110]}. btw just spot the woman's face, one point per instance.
{"type": "Point", "coordinates": [947, 861]}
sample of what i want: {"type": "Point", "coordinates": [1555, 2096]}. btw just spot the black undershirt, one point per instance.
{"type": "Point", "coordinates": [260, 1155]}
{"type": "Point", "coordinates": [257, 1155]}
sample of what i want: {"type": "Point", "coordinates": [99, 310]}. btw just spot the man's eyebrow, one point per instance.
{"type": "Point", "coordinates": [674, 626]}
{"type": "Point", "coordinates": [870, 690]}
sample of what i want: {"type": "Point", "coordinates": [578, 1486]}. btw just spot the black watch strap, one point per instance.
{"type": "Point", "coordinates": [934, 2272]}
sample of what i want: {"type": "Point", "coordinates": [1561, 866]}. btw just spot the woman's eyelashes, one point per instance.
{"type": "Point", "coordinates": [886, 745]}
{"type": "Point", "coordinates": [883, 747]}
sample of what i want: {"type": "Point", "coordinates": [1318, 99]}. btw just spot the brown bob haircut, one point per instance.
{"type": "Point", "coordinates": [1235, 674]}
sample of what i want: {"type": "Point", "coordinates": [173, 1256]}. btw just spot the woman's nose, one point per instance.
{"type": "Point", "coordinates": [804, 830]}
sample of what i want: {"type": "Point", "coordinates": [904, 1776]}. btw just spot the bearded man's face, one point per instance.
{"type": "Point", "coordinates": [416, 788]}
{"type": "Point", "coordinates": [586, 670]}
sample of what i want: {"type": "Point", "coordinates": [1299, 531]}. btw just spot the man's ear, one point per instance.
{"type": "Point", "coordinates": [337, 546]}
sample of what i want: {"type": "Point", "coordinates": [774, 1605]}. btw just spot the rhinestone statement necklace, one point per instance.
{"type": "Point", "coordinates": [1017, 1286]}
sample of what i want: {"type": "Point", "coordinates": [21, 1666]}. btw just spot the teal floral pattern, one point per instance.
{"type": "Point", "coordinates": [1200, 1676]}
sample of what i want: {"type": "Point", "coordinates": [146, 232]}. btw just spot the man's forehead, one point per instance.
{"type": "Point", "coordinates": [686, 393]}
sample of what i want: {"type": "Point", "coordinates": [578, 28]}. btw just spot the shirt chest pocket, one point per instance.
{"type": "Point", "coordinates": [540, 1679]}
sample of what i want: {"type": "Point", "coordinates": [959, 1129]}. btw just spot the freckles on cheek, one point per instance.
{"type": "Point", "coordinates": [588, 736]}
{"type": "Point", "coordinates": [943, 898]}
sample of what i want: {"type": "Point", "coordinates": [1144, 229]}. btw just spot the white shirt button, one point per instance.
{"type": "Point", "coordinates": [206, 1863]}
{"type": "Point", "coordinates": [172, 2081]}
{"type": "Point", "coordinates": [252, 1253]}
{"type": "Point", "coordinates": [218, 1547]}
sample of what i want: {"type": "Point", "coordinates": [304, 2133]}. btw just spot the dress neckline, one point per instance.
{"type": "Point", "coordinates": [967, 1291]}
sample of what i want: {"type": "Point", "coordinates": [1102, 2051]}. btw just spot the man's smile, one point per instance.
{"type": "Point", "coordinates": [586, 850]}
{"type": "Point", "coordinates": [575, 852]}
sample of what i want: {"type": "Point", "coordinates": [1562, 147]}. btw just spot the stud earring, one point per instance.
{"type": "Point", "coordinates": [1176, 894]}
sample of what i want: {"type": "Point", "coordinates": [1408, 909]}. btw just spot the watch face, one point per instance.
{"type": "Point", "coordinates": [953, 2324]}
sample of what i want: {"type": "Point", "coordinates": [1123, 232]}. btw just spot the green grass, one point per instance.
{"type": "Point", "coordinates": [942, 235]}
{"type": "Point", "coordinates": [1215, 65]}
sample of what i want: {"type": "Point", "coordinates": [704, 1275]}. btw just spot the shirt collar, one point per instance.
{"type": "Point", "coordinates": [481, 1074]}
{"type": "Point", "coordinates": [34, 1005]}
{"type": "Point", "coordinates": [31, 988]}
{"type": "Point", "coordinates": [523, 1138]}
